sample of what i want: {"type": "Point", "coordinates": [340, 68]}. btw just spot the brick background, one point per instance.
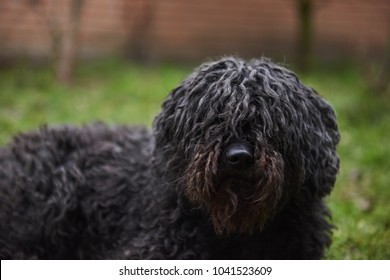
{"type": "Point", "coordinates": [190, 30]}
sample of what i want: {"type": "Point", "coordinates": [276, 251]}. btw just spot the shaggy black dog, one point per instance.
{"type": "Point", "coordinates": [240, 159]}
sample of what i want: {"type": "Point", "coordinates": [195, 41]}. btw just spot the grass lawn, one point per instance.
{"type": "Point", "coordinates": [116, 92]}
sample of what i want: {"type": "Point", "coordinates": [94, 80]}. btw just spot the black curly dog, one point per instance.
{"type": "Point", "coordinates": [236, 167]}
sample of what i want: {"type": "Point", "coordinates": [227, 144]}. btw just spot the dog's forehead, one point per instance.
{"type": "Point", "coordinates": [236, 79]}
{"type": "Point", "coordinates": [232, 90]}
{"type": "Point", "coordinates": [233, 93]}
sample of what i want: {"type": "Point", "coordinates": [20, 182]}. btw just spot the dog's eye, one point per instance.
{"type": "Point", "coordinates": [246, 128]}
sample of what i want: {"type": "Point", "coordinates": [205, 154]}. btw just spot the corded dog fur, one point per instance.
{"type": "Point", "coordinates": [236, 166]}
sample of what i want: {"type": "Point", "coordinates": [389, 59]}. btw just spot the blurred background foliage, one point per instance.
{"type": "Point", "coordinates": [70, 61]}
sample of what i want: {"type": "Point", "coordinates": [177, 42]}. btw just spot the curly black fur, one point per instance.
{"type": "Point", "coordinates": [69, 193]}
{"type": "Point", "coordinates": [93, 192]}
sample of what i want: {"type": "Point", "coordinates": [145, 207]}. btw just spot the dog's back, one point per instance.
{"type": "Point", "coordinates": [69, 192]}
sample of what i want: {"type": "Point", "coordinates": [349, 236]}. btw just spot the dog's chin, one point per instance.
{"type": "Point", "coordinates": [236, 202]}
{"type": "Point", "coordinates": [244, 221]}
{"type": "Point", "coordinates": [237, 179]}
{"type": "Point", "coordinates": [232, 208]}
{"type": "Point", "coordinates": [242, 186]}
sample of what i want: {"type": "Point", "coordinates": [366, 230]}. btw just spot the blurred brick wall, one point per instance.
{"type": "Point", "coordinates": [27, 26]}
{"type": "Point", "coordinates": [189, 30]}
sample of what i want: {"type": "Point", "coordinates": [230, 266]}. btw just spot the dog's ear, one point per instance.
{"type": "Point", "coordinates": [163, 124]}
{"type": "Point", "coordinates": [309, 133]}
{"type": "Point", "coordinates": [168, 131]}
{"type": "Point", "coordinates": [321, 140]}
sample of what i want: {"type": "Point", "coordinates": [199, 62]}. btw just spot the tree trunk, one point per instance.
{"type": "Point", "coordinates": [68, 46]}
{"type": "Point", "coordinates": [305, 36]}
{"type": "Point", "coordinates": [137, 47]}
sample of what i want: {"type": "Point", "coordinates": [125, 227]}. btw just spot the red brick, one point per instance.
{"type": "Point", "coordinates": [188, 29]}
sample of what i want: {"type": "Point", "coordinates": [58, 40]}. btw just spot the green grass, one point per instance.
{"type": "Point", "coordinates": [116, 92]}
{"type": "Point", "coordinates": [110, 91]}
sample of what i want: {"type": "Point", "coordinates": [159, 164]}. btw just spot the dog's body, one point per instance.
{"type": "Point", "coordinates": [69, 193]}
{"type": "Point", "coordinates": [236, 167]}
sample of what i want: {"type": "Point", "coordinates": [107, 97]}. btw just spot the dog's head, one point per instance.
{"type": "Point", "coordinates": [238, 139]}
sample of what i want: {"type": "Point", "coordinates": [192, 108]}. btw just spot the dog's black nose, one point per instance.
{"type": "Point", "coordinates": [239, 157]}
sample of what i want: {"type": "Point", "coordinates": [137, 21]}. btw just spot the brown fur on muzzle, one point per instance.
{"type": "Point", "coordinates": [235, 204]}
